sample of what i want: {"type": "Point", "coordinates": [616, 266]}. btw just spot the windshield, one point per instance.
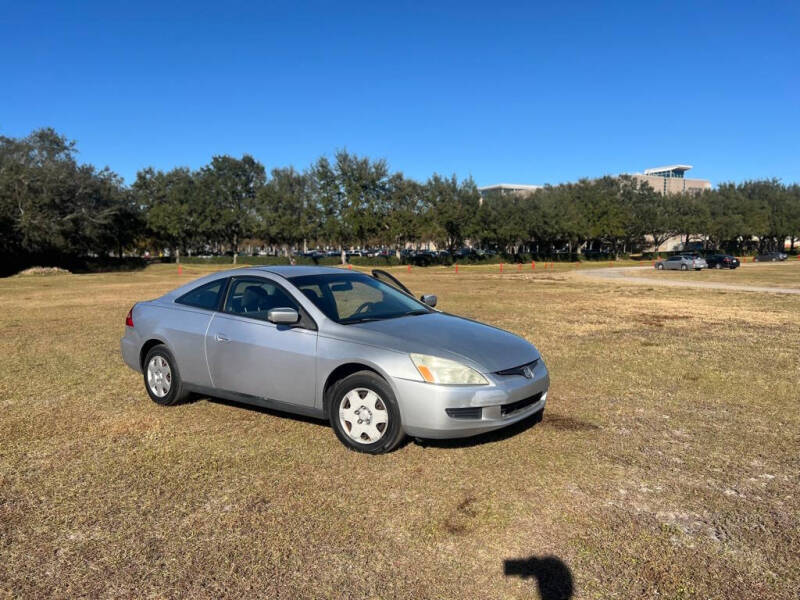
{"type": "Point", "coordinates": [355, 298]}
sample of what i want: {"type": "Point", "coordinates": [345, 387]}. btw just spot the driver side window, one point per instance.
{"type": "Point", "coordinates": [349, 300]}
{"type": "Point", "coordinates": [254, 298]}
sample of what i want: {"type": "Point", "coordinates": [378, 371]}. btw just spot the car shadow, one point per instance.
{"type": "Point", "coordinates": [260, 409]}
{"type": "Point", "coordinates": [552, 575]}
{"type": "Point", "coordinates": [489, 437]}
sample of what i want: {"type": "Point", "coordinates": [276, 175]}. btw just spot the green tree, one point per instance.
{"type": "Point", "coordinates": [403, 215]}
{"type": "Point", "coordinates": [230, 187]}
{"type": "Point", "coordinates": [499, 221]}
{"type": "Point", "coordinates": [793, 192]}
{"type": "Point", "coordinates": [289, 215]}
{"type": "Point", "coordinates": [453, 208]}
{"type": "Point", "coordinates": [173, 206]}
{"type": "Point", "coordinates": [656, 215]}
{"type": "Point", "coordinates": [365, 188]}
{"type": "Point", "coordinates": [51, 204]}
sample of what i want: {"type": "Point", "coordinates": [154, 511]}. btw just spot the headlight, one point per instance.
{"type": "Point", "coordinates": [446, 372]}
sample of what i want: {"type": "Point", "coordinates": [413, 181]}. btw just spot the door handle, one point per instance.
{"type": "Point", "coordinates": [221, 337]}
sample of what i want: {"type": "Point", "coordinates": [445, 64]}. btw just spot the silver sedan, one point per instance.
{"type": "Point", "coordinates": [682, 263]}
{"type": "Point", "coordinates": [358, 350]}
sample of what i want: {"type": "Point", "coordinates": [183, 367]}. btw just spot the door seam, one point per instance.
{"type": "Point", "coordinates": [205, 349]}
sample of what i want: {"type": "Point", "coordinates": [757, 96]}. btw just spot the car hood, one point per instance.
{"type": "Point", "coordinates": [487, 348]}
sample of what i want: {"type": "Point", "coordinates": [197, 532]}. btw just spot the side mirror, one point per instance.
{"type": "Point", "coordinates": [429, 299]}
{"type": "Point", "coordinates": [283, 316]}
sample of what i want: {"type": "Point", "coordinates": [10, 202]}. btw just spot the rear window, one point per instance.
{"type": "Point", "coordinates": [205, 296]}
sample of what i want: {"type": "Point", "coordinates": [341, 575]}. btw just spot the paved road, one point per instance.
{"type": "Point", "coordinates": [667, 279]}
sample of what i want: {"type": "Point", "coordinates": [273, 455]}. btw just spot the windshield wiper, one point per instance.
{"type": "Point", "coordinates": [418, 311]}
{"type": "Point", "coordinates": [360, 320]}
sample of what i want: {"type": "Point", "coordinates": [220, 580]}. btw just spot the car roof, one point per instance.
{"type": "Point", "coordinates": [285, 271]}
{"type": "Point", "coordinates": [297, 270]}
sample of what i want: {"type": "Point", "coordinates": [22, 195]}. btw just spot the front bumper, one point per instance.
{"type": "Point", "coordinates": [424, 406]}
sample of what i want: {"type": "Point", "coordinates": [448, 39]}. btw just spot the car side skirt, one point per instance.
{"type": "Point", "coordinates": [308, 411]}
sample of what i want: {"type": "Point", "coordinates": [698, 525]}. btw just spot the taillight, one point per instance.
{"type": "Point", "coordinates": [129, 318]}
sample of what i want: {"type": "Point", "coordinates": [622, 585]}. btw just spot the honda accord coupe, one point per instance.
{"type": "Point", "coordinates": [359, 350]}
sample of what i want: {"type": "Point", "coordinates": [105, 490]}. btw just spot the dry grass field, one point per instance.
{"type": "Point", "coordinates": [667, 464]}
{"type": "Point", "coordinates": [784, 275]}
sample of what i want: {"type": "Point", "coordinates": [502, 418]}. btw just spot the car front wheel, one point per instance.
{"type": "Point", "coordinates": [660, 267]}
{"type": "Point", "coordinates": [364, 413]}
{"type": "Point", "coordinates": [684, 268]}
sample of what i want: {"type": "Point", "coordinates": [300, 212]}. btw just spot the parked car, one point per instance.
{"type": "Point", "coordinates": [771, 257]}
{"type": "Point", "coordinates": [598, 254]}
{"type": "Point", "coordinates": [683, 263]}
{"type": "Point", "coordinates": [358, 350]}
{"type": "Point", "coordinates": [722, 261]}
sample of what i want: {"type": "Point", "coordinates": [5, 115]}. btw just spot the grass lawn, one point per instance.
{"type": "Point", "coordinates": [667, 464]}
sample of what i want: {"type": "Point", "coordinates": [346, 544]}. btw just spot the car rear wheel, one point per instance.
{"type": "Point", "coordinates": [718, 266]}
{"type": "Point", "coordinates": [364, 413]}
{"type": "Point", "coordinates": [684, 268]}
{"type": "Point", "coordinates": [660, 267]}
{"type": "Point", "coordinates": [161, 377]}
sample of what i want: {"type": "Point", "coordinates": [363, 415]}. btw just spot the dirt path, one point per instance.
{"type": "Point", "coordinates": [620, 274]}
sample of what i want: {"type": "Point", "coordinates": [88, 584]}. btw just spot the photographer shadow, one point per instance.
{"type": "Point", "coordinates": [552, 575]}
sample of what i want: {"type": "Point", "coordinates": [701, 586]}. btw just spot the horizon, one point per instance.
{"type": "Point", "coordinates": [525, 95]}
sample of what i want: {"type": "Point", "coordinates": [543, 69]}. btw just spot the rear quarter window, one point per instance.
{"type": "Point", "coordinates": [205, 296]}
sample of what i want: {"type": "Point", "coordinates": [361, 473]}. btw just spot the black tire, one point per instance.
{"type": "Point", "coordinates": [684, 268]}
{"type": "Point", "coordinates": [176, 393]}
{"type": "Point", "coordinates": [392, 434]}
{"type": "Point", "coordinates": [660, 267]}
{"type": "Point", "coordinates": [718, 266]}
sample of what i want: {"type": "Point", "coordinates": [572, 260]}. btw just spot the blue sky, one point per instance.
{"type": "Point", "coordinates": [504, 92]}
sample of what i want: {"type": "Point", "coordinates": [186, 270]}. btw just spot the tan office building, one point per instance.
{"type": "Point", "coordinates": [508, 188]}
{"type": "Point", "coordinates": [672, 180]}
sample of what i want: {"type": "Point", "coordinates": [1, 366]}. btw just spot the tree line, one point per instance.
{"type": "Point", "coordinates": [51, 204]}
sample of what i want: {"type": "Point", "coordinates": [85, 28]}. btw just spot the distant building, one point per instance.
{"type": "Point", "coordinates": [672, 180]}
{"type": "Point", "coordinates": [508, 188]}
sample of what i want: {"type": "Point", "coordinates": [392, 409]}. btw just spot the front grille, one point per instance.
{"type": "Point", "coordinates": [520, 370]}
{"type": "Point", "coordinates": [507, 409]}
{"type": "Point", "coordinates": [470, 412]}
